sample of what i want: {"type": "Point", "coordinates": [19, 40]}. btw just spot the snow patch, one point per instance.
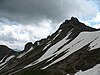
{"type": "Point", "coordinates": [27, 66]}
{"type": "Point", "coordinates": [38, 43]}
{"type": "Point", "coordinates": [95, 44]}
{"type": "Point", "coordinates": [46, 47]}
{"type": "Point", "coordinates": [57, 35]}
{"type": "Point", "coordinates": [21, 55]}
{"type": "Point", "coordinates": [72, 46]}
{"type": "Point", "coordinates": [12, 56]}
{"type": "Point", "coordinates": [3, 58]}
{"type": "Point", "coordinates": [9, 58]}
{"type": "Point", "coordinates": [54, 48]}
{"type": "Point", "coordinates": [93, 71]}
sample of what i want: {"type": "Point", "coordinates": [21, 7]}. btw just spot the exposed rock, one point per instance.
{"type": "Point", "coordinates": [28, 46]}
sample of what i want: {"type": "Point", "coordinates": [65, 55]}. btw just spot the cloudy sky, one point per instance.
{"type": "Point", "coordinates": [22, 21]}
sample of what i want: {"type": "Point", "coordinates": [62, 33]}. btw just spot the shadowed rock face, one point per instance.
{"type": "Point", "coordinates": [73, 47]}
{"type": "Point", "coordinates": [5, 51]}
{"type": "Point", "coordinates": [28, 46]}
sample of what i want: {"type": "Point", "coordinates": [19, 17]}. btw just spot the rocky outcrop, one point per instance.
{"type": "Point", "coordinates": [28, 46]}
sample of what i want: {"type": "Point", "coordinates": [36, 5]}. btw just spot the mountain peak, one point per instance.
{"type": "Point", "coordinates": [74, 19]}
{"type": "Point", "coordinates": [75, 23]}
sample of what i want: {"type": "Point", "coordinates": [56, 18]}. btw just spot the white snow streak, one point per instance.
{"type": "Point", "coordinates": [73, 46]}
{"type": "Point", "coordinates": [46, 46]}
{"type": "Point", "coordinates": [21, 55]}
{"type": "Point", "coordinates": [3, 59]}
{"type": "Point", "coordinates": [57, 35]}
{"type": "Point", "coordinates": [10, 57]}
{"type": "Point", "coordinates": [80, 41]}
{"type": "Point", "coordinates": [54, 48]}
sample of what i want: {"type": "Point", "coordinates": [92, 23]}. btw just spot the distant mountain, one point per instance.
{"type": "Point", "coordinates": [73, 47]}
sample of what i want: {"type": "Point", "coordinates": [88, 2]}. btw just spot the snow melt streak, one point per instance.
{"type": "Point", "coordinates": [73, 46]}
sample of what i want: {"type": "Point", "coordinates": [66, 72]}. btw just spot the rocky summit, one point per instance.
{"type": "Point", "coordinates": [73, 47]}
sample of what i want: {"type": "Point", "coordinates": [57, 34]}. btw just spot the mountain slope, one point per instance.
{"type": "Point", "coordinates": [73, 47]}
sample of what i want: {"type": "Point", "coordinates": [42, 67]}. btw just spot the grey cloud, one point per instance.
{"type": "Point", "coordinates": [8, 38]}
{"type": "Point", "coordinates": [33, 11]}
{"type": "Point", "coordinates": [29, 10]}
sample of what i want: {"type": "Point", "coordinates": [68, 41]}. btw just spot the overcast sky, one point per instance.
{"type": "Point", "coordinates": [22, 21]}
